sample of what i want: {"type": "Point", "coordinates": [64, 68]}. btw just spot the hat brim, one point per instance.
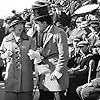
{"type": "Point", "coordinates": [83, 45]}
{"type": "Point", "coordinates": [56, 5]}
{"type": "Point", "coordinates": [15, 23]}
{"type": "Point", "coordinates": [40, 17]}
{"type": "Point", "coordinates": [37, 6]}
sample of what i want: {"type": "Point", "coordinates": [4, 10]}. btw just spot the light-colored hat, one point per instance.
{"type": "Point", "coordinates": [83, 43]}
{"type": "Point", "coordinates": [16, 22]}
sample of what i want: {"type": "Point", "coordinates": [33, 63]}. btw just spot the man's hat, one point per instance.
{"type": "Point", "coordinates": [83, 43]}
{"type": "Point", "coordinates": [38, 4]}
{"type": "Point", "coordinates": [40, 10]}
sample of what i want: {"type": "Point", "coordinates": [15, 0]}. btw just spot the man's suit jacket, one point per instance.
{"type": "Point", "coordinates": [55, 52]}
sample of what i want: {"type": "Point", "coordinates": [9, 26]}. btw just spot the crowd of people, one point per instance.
{"type": "Point", "coordinates": [59, 43]}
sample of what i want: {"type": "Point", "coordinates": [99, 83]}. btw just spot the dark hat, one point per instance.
{"type": "Point", "coordinates": [83, 43]}
{"type": "Point", "coordinates": [38, 4]}
{"type": "Point", "coordinates": [97, 44]}
{"type": "Point", "coordinates": [40, 10]}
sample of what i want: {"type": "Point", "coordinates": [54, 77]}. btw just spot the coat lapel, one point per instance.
{"type": "Point", "coordinates": [10, 38]}
{"type": "Point", "coordinates": [49, 36]}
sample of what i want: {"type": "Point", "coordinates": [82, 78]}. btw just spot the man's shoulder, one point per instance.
{"type": "Point", "coordinates": [58, 30]}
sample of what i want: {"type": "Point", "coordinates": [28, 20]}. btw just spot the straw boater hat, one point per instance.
{"type": "Point", "coordinates": [40, 10]}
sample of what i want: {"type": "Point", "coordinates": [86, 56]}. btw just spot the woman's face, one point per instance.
{"type": "Point", "coordinates": [18, 28]}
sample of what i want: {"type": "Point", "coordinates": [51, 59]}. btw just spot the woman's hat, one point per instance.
{"type": "Point", "coordinates": [15, 20]}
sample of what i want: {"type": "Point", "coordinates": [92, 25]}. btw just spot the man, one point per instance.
{"type": "Point", "coordinates": [18, 76]}
{"type": "Point", "coordinates": [79, 74]}
{"type": "Point", "coordinates": [90, 89]}
{"type": "Point", "coordinates": [60, 18]}
{"type": "Point", "coordinates": [54, 52]}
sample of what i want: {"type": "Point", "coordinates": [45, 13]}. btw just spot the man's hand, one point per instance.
{"type": "Point", "coordinates": [56, 75]}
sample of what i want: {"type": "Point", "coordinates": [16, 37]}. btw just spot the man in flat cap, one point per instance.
{"type": "Point", "coordinates": [53, 48]}
{"type": "Point", "coordinates": [80, 73]}
{"type": "Point", "coordinates": [92, 88]}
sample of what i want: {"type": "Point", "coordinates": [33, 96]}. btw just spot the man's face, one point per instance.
{"type": "Point", "coordinates": [40, 26]}
{"type": "Point", "coordinates": [18, 28]}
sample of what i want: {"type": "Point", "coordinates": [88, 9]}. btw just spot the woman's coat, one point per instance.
{"type": "Point", "coordinates": [18, 76]}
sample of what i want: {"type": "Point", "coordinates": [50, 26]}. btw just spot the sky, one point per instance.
{"type": "Point", "coordinates": [6, 6]}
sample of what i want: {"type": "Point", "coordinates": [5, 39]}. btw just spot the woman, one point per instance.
{"type": "Point", "coordinates": [18, 77]}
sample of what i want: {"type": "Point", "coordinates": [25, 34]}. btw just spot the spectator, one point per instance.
{"type": "Point", "coordinates": [89, 89]}
{"type": "Point", "coordinates": [60, 18]}
{"type": "Point", "coordinates": [79, 74]}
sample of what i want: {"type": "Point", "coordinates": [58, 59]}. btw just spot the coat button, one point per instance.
{"type": "Point", "coordinates": [18, 66]}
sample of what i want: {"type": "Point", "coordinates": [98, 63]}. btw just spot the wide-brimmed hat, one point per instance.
{"type": "Point", "coordinates": [40, 10]}
{"type": "Point", "coordinates": [16, 22]}
{"type": "Point", "coordinates": [83, 43]}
